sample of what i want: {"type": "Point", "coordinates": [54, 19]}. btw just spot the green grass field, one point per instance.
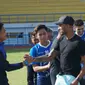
{"type": "Point", "coordinates": [17, 77]}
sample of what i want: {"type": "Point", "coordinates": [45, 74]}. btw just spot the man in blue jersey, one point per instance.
{"type": "Point", "coordinates": [4, 64]}
{"type": "Point", "coordinates": [40, 49]}
{"type": "Point", "coordinates": [79, 30]}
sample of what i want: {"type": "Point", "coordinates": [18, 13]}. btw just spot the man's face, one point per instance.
{"type": "Point", "coordinates": [3, 34]}
{"type": "Point", "coordinates": [79, 30]}
{"type": "Point", "coordinates": [62, 28]}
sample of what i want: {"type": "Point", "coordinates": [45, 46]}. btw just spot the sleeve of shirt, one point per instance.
{"type": "Point", "coordinates": [33, 53]}
{"type": "Point", "coordinates": [55, 44]}
{"type": "Point", "coordinates": [4, 64]}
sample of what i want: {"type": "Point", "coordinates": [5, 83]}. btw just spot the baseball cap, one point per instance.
{"type": "Point", "coordinates": [65, 20]}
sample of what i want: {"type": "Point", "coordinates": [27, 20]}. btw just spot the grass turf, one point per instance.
{"type": "Point", "coordinates": [17, 77]}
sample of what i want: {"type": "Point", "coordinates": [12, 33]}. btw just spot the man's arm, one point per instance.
{"type": "Point", "coordinates": [53, 53]}
{"type": "Point", "coordinates": [82, 53]}
{"type": "Point", "coordinates": [37, 68]}
{"type": "Point", "coordinates": [4, 64]}
{"type": "Point", "coordinates": [81, 74]}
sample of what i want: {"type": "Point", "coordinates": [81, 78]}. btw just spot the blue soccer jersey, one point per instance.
{"type": "Point", "coordinates": [37, 51]}
{"type": "Point", "coordinates": [83, 36]}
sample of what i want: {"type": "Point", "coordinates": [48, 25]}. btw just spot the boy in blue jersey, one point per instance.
{"type": "Point", "coordinates": [40, 49]}
{"type": "Point", "coordinates": [4, 64]}
{"type": "Point", "coordinates": [79, 30]}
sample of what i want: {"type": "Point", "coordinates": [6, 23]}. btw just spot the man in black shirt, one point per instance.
{"type": "Point", "coordinates": [71, 49]}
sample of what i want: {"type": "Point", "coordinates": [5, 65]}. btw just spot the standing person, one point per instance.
{"type": "Point", "coordinates": [71, 49]}
{"type": "Point", "coordinates": [4, 64]}
{"type": "Point", "coordinates": [79, 30]}
{"type": "Point", "coordinates": [40, 49]}
{"type": "Point", "coordinates": [31, 75]}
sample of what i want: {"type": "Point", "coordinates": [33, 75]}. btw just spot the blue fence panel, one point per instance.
{"type": "Point", "coordinates": [20, 40]}
{"type": "Point", "coordinates": [17, 40]}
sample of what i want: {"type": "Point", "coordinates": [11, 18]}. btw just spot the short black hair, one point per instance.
{"type": "Point", "coordinates": [79, 22]}
{"type": "Point", "coordinates": [39, 27]}
{"type": "Point", "coordinates": [1, 25]}
{"type": "Point", "coordinates": [49, 30]}
{"type": "Point", "coordinates": [33, 33]}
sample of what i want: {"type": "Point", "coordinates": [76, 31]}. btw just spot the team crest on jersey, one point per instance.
{"type": "Point", "coordinates": [46, 52]}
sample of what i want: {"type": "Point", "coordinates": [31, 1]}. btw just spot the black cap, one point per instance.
{"type": "Point", "coordinates": [65, 20]}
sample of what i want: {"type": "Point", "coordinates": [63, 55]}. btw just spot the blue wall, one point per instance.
{"type": "Point", "coordinates": [24, 28]}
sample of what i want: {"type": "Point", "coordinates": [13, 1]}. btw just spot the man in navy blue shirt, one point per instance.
{"type": "Point", "coordinates": [4, 64]}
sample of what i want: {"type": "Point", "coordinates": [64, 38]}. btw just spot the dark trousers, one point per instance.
{"type": "Point", "coordinates": [54, 70]}
{"type": "Point", "coordinates": [44, 80]}
{"type": "Point", "coordinates": [53, 77]}
{"type": "Point", "coordinates": [31, 76]}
